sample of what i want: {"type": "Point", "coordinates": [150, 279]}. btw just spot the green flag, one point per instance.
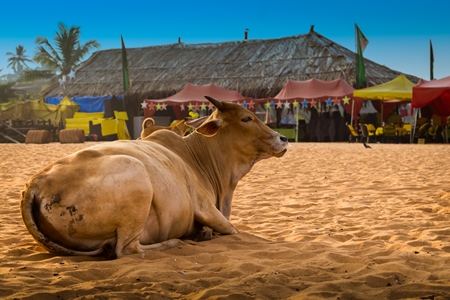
{"type": "Point", "coordinates": [361, 44]}
{"type": "Point", "coordinates": [126, 79]}
{"type": "Point", "coordinates": [431, 61]}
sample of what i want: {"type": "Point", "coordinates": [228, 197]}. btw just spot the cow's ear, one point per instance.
{"type": "Point", "coordinates": [210, 128]}
{"type": "Point", "coordinates": [195, 123]}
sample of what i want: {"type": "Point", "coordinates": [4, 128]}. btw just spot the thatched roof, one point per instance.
{"type": "Point", "coordinates": [255, 68]}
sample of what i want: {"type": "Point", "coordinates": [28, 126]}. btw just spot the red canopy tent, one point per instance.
{"type": "Point", "coordinates": [315, 90]}
{"type": "Point", "coordinates": [192, 97]}
{"type": "Point", "coordinates": [312, 91]}
{"type": "Point", "coordinates": [435, 94]}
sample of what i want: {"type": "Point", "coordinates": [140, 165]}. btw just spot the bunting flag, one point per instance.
{"type": "Point", "coordinates": [198, 106]}
{"type": "Point", "coordinates": [361, 44]}
{"type": "Point", "coordinates": [126, 79]}
{"type": "Point", "coordinates": [431, 61]}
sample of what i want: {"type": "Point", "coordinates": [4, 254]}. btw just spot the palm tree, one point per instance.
{"type": "Point", "coordinates": [19, 60]}
{"type": "Point", "coordinates": [67, 53]}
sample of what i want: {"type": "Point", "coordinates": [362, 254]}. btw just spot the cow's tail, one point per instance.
{"type": "Point", "coordinates": [147, 123]}
{"type": "Point", "coordinates": [29, 207]}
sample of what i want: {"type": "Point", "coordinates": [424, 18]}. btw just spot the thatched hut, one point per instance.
{"type": "Point", "coordinates": [256, 68]}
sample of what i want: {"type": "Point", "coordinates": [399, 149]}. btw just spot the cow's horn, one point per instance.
{"type": "Point", "coordinates": [217, 103]}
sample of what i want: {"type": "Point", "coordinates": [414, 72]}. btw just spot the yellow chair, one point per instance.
{"type": "Point", "coordinates": [432, 131]}
{"type": "Point", "coordinates": [353, 136]}
{"type": "Point", "coordinates": [422, 132]}
{"type": "Point", "coordinates": [379, 131]}
{"type": "Point", "coordinates": [394, 119]}
{"type": "Point", "coordinates": [368, 131]}
{"type": "Point", "coordinates": [371, 130]}
{"type": "Point", "coordinates": [405, 132]}
{"type": "Point", "coordinates": [389, 133]}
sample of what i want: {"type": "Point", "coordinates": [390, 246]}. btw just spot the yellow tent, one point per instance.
{"type": "Point", "coordinates": [388, 93]}
{"type": "Point", "coordinates": [67, 108]}
{"type": "Point", "coordinates": [28, 110]}
{"type": "Point", "coordinates": [400, 88]}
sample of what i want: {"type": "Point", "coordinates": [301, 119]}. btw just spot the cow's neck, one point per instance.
{"type": "Point", "coordinates": [217, 161]}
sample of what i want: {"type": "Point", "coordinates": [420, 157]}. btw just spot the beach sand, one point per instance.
{"type": "Point", "coordinates": [325, 221]}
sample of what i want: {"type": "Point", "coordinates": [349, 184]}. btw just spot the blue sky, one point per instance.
{"type": "Point", "coordinates": [399, 32]}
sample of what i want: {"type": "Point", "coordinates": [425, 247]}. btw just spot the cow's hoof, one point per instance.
{"type": "Point", "coordinates": [206, 234]}
{"type": "Point", "coordinates": [108, 252]}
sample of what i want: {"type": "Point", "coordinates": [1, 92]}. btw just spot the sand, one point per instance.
{"type": "Point", "coordinates": [326, 221]}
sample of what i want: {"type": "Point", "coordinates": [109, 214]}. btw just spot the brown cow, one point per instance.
{"type": "Point", "coordinates": [133, 196]}
{"type": "Point", "coordinates": [180, 127]}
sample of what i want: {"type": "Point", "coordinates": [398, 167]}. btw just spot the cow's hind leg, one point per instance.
{"type": "Point", "coordinates": [162, 245]}
{"type": "Point", "coordinates": [125, 246]}
{"type": "Point", "coordinates": [128, 242]}
{"type": "Point", "coordinates": [133, 194]}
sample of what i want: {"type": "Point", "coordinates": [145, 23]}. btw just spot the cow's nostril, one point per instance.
{"type": "Point", "coordinates": [283, 138]}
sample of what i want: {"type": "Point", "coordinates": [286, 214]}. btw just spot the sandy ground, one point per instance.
{"type": "Point", "coordinates": [326, 221]}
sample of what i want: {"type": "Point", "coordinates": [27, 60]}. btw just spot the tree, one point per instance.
{"type": "Point", "coordinates": [67, 53]}
{"type": "Point", "coordinates": [19, 60]}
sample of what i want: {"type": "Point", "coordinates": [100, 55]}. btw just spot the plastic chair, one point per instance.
{"type": "Point", "coordinates": [389, 133]}
{"type": "Point", "coordinates": [371, 130]}
{"type": "Point", "coordinates": [394, 119]}
{"type": "Point", "coordinates": [405, 132]}
{"type": "Point", "coordinates": [353, 136]}
{"type": "Point", "coordinates": [422, 132]}
{"type": "Point", "coordinates": [433, 133]}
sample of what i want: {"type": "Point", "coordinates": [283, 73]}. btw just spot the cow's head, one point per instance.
{"type": "Point", "coordinates": [234, 124]}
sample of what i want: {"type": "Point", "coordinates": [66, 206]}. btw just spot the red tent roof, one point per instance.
{"type": "Point", "coordinates": [192, 95]}
{"type": "Point", "coordinates": [320, 90]}
{"type": "Point", "coordinates": [435, 94]}
{"type": "Point", "coordinates": [196, 93]}
{"type": "Point", "coordinates": [315, 89]}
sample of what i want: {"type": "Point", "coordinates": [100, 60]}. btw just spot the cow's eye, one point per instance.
{"type": "Point", "coordinates": [246, 119]}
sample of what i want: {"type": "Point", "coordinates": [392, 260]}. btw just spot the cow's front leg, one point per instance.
{"type": "Point", "coordinates": [213, 218]}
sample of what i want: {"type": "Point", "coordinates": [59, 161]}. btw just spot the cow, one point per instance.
{"type": "Point", "coordinates": [126, 197]}
{"type": "Point", "coordinates": [179, 126]}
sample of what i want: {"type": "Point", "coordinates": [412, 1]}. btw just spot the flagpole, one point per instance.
{"type": "Point", "coordinates": [413, 131]}
{"type": "Point", "coordinates": [431, 61]}
{"type": "Point", "coordinates": [296, 124]}
{"type": "Point", "coordinates": [126, 80]}
{"type": "Point", "coordinates": [356, 59]}
{"type": "Point", "coordinates": [353, 109]}
{"type": "Point", "coordinates": [356, 49]}
{"type": "Point", "coordinates": [356, 73]}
